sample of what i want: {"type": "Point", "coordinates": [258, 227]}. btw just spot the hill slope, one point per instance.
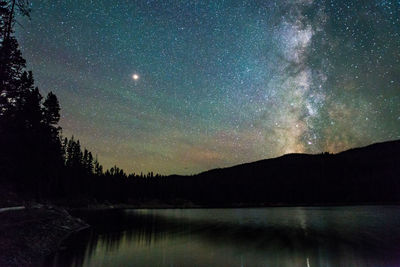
{"type": "Point", "coordinates": [360, 175]}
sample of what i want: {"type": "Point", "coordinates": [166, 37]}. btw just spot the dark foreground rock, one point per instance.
{"type": "Point", "coordinates": [28, 235]}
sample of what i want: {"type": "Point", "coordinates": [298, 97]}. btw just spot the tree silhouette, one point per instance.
{"type": "Point", "coordinates": [34, 157]}
{"type": "Point", "coordinates": [8, 11]}
{"type": "Point", "coordinates": [51, 109]}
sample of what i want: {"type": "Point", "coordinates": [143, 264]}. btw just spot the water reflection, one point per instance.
{"type": "Point", "coordinates": [336, 236]}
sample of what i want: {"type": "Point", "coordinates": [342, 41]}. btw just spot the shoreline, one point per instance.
{"type": "Point", "coordinates": [27, 236]}
{"type": "Point", "coordinates": [238, 206]}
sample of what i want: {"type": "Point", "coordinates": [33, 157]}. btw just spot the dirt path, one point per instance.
{"type": "Point", "coordinates": [11, 208]}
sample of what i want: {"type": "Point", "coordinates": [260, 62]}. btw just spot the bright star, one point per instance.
{"type": "Point", "coordinates": [135, 77]}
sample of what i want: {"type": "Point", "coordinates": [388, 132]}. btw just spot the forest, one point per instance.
{"type": "Point", "coordinates": [44, 164]}
{"type": "Point", "coordinates": [34, 155]}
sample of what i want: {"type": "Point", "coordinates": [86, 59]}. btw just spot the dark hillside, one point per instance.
{"type": "Point", "coordinates": [367, 174]}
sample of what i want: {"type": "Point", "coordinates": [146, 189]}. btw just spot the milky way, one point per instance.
{"type": "Point", "coordinates": [219, 82]}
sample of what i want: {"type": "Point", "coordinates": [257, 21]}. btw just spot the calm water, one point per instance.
{"type": "Point", "coordinates": [328, 236]}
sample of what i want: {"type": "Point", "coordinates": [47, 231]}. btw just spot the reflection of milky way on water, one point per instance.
{"type": "Point", "coordinates": [334, 236]}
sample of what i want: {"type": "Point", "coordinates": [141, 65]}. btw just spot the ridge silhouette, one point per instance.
{"type": "Point", "coordinates": [42, 164]}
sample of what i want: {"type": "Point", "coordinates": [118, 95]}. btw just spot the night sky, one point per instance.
{"type": "Point", "coordinates": [218, 82]}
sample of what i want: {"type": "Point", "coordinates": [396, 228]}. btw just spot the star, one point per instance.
{"type": "Point", "coordinates": [225, 83]}
{"type": "Point", "coordinates": [135, 76]}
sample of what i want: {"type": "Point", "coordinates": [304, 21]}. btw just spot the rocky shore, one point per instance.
{"type": "Point", "coordinates": [29, 234]}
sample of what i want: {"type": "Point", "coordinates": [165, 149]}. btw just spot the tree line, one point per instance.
{"type": "Point", "coordinates": [41, 162]}
{"type": "Point", "coordinates": [34, 155]}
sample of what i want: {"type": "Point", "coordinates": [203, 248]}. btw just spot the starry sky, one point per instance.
{"type": "Point", "coordinates": [219, 82]}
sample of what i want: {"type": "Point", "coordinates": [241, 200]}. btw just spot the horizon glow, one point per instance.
{"type": "Point", "coordinates": [223, 82]}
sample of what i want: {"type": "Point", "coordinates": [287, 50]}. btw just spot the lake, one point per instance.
{"type": "Point", "coordinates": [281, 236]}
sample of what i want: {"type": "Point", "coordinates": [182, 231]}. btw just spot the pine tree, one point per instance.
{"type": "Point", "coordinates": [51, 109]}
{"type": "Point", "coordinates": [90, 163]}
{"type": "Point", "coordinates": [98, 169]}
{"type": "Point", "coordinates": [12, 63]}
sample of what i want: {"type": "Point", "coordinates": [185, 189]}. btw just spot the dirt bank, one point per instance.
{"type": "Point", "coordinates": [28, 235]}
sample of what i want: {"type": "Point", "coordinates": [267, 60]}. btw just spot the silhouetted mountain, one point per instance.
{"type": "Point", "coordinates": [37, 160]}
{"type": "Point", "coordinates": [367, 174]}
